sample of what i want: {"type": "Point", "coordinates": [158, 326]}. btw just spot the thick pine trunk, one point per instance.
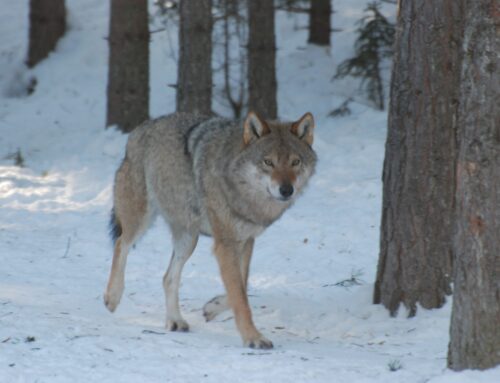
{"type": "Point", "coordinates": [194, 82]}
{"type": "Point", "coordinates": [415, 263]}
{"type": "Point", "coordinates": [475, 320]}
{"type": "Point", "coordinates": [262, 59]}
{"type": "Point", "coordinates": [128, 71]}
{"type": "Point", "coordinates": [319, 22]}
{"type": "Point", "coordinates": [47, 26]}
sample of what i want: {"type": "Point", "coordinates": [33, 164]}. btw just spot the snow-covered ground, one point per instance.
{"type": "Point", "coordinates": [55, 253]}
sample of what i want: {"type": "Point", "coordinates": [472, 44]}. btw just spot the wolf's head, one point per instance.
{"type": "Point", "coordinates": [277, 158]}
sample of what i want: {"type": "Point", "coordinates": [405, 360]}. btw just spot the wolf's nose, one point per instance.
{"type": "Point", "coordinates": [286, 190]}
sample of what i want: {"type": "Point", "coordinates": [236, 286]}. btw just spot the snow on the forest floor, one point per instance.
{"type": "Point", "coordinates": [55, 252]}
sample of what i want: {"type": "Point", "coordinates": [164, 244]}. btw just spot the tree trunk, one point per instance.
{"type": "Point", "coordinates": [128, 71]}
{"type": "Point", "coordinates": [262, 59]}
{"type": "Point", "coordinates": [319, 22]}
{"type": "Point", "coordinates": [194, 83]}
{"type": "Point", "coordinates": [475, 319]}
{"type": "Point", "coordinates": [415, 261]}
{"type": "Point", "coordinates": [47, 26]}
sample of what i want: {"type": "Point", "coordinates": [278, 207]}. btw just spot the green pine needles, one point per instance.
{"type": "Point", "coordinates": [373, 45]}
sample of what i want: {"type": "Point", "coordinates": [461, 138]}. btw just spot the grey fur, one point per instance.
{"type": "Point", "coordinates": [206, 175]}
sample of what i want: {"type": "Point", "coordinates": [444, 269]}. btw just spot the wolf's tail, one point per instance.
{"type": "Point", "coordinates": [115, 228]}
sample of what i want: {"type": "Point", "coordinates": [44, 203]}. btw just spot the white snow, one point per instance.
{"type": "Point", "coordinates": [55, 252]}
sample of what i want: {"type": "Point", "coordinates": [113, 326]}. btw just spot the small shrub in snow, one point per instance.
{"type": "Point", "coordinates": [18, 158]}
{"type": "Point", "coordinates": [395, 365]}
{"type": "Point", "coordinates": [354, 280]}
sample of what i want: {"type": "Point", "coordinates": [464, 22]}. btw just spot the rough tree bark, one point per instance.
{"type": "Point", "coordinates": [47, 26]}
{"type": "Point", "coordinates": [128, 71]}
{"type": "Point", "coordinates": [319, 22]}
{"type": "Point", "coordinates": [262, 59]}
{"type": "Point", "coordinates": [415, 263]}
{"type": "Point", "coordinates": [194, 82]}
{"type": "Point", "coordinates": [475, 319]}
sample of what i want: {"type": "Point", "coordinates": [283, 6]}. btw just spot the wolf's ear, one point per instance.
{"type": "Point", "coordinates": [254, 127]}
{"type": "Point", "coordinates": [304, 128]}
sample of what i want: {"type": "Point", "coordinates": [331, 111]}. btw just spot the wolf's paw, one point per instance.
{"type": "Point", "coordinates": [110, 302]}
{"type": "Point", "coordinates": [214, 307]}
{"type": "Point", "coordinates": [177, 325]}
{"type": "Point", "coordinates": [259, 342]}
{"type": "Point", "coordinates": [112, 297]}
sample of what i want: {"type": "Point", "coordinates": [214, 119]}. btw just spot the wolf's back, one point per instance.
{"type": "Point", "coordinates": [161, 132]}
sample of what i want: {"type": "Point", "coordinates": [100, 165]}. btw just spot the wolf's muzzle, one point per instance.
{"type": "Point", "coordinates": [286, 190]}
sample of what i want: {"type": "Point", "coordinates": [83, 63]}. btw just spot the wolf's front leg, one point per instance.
{"type": "Point", "coordinates": [219, 304]}
{"type": "Point", "coordinates": [227, 253]}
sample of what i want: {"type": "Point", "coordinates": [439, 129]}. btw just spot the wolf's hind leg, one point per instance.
{"type": "Point", "coordinates": [219, 304]}
{"type": "Point", "coordinates": [184, 244]}
{"type": "Point", "coordinates": [116, 282]}
{"type": "Point", "coordinates": [131, 216]}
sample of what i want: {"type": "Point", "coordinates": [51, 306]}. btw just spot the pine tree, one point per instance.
{"type": "Point", "coordinates": [475, 318]}
{"type": "Point", "coordinates": [194, 76]}
{"type": "Point", "coordinates": [319, 22]}
{"type": "Point", "coordinates": [415, 262]}
{"type": "Point", "coordinates": [374, 43]}
{"type": "Point", "coordinates": [128, 70]}
{"type": "Point", "coordinates": [262, 84]}
{"type": "Point", "coordinates": [47, 26]}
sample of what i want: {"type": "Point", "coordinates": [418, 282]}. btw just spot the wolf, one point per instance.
{"type": "Point", "coordinates": [208, 176]}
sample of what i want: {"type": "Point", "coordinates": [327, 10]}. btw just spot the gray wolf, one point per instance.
{"type": "Point", "coordinates": [208, 176]}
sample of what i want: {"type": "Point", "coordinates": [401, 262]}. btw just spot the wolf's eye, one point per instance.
{"type": "Point", "coordinates": [296, 162]}
{"type": "Point", "coordinates": [268, 162]}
